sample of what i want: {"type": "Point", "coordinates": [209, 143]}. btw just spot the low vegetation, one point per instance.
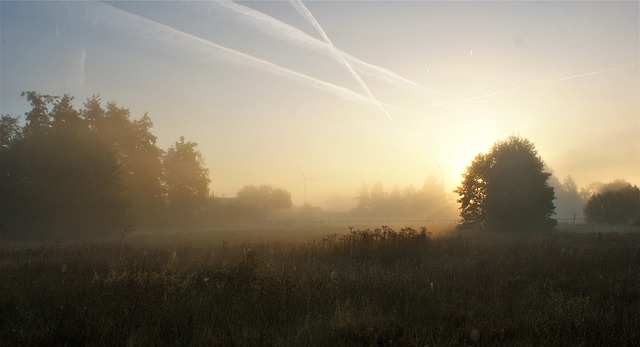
{"type": "Point", "coordinates": [367, 287]}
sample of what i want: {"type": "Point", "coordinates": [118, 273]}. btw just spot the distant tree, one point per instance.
{"type": "Point", "coordinates": [186, 179]}
{"type": "Point", "coordinates": [410, 197]}
{"type": "Point", "coordinates": [613, 186]}
{"type": "Point", "coordinates": [507, 190]}
{"type": "Point", "coordinates": [363, 199]}
{"type": "Point", "coordinates": [617, 202]}
{"type": "Point", "coordinates": [264, 198]}
{"type": "Point", "coordinates": [280, 199]}
{"type": "Point", "coordinates": [396, 205]}
{"type": "Point", "coordinates": [378, 198]}
{"type": "Point", "coordinates": [590, 189]}
{"type": "Point", "coordinates": [431, 200]}
{"type": "Point", "coordinates": [569, 203]}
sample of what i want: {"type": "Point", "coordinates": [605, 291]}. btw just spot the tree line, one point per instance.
{"type": "Point", "coordinates": [431, 201]}
{"type": "Point", "coordinates": [92, 172]}
{"type": "Point", "coordinates": [614, 202]}
{"type": "Point", "coordinates": [96, 171]}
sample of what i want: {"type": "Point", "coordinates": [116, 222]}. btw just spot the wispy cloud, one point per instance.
{"type": "Point", "coordinates": [307, 15]}
{"type": "Point", "coordinates": [524, 86]}
{"type": "Point", "coordinates": [102, 14]}
{"type": "Point", "coordinates": [76, 71]}
{"type": "Point", "coordinates": [282, 31]}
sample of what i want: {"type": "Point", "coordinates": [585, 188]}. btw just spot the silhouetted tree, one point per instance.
{"type": "Point", "coordinates": [280, 199]}
{"type": "Point", "coordinates": [409, 195]}
{"type": "Point", "coordinates": [58, 180]}
{"type": "Point", "coordinates": [65, 118]}
{"type": "Point", "coordinates": [431, 201]}
{"type": "Point", "coordinates": [264, 198]}
{"type": "Point", "coordinates": [10, 131]}
{"type": "Point", "coordinates": [186, 180]}
{"type": "Point", "coordinates": [506, 189]}
{"type": "Point", "coordinates": [70, 172]}
{"type": "Point", "coordinates": [617, 202]}
{"type": "Point", "coordinates": [378, 198]}
{"type": "Point", "coordinates": [38, 119]}
{"type": "Point", "coordinates": [137, 154]}
{"type": "Point", "coordinates": [363, 199]}
{"type": "Point", "coordinates": [569, 203]}
{"type": "Point", "coordinates": [395, 206]}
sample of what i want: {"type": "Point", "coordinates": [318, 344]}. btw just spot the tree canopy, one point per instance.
{"type": "Point", "coordinates": [431, 200]}
{"type": "Point", "coordinates": [89, 172]}
{"type": "Point", "coordinates": [187, 179]}
{"type": "Point", "coordinates": [265, 198]}
{"type": "Point", "coordinates": [507, 190]}
{"type": "Point", "coordinates": [569, 202]}
{"type": "Point", "coordinates": [616, 202]}
{"type": "Point", "coordinates": [56, 178]}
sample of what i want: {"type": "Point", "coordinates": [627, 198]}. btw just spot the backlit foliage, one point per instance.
{"type": "Point", "coordinates": [506, 189]}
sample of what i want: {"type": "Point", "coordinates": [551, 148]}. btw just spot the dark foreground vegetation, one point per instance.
{"type": "Point", "coordinates": [372, 287]}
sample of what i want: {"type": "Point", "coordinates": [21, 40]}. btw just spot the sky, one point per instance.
{"type": "Point", "coordinates": [319, 97]}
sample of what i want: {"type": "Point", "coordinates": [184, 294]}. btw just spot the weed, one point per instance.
{"type": "Point", "coordinates": [365, 287]}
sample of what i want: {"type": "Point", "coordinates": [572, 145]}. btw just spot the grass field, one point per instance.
{"type": "Point", "coordinates": [368, 287]}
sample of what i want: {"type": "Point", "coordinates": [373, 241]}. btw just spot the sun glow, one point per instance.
{"type": "Point", "coordinates": [475, 134]}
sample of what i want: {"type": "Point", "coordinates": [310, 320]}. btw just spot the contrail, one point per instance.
{"type": "Point", "coordinates": [509, 90]}
{"type": "Point", "coordinates": [104, 14]}
{"type": "Point", "coordinates": [306, 14]}
{"type": "Point", "coordinates": [282, 31]}
{"type": "Point", "coordinates": [76, 71]}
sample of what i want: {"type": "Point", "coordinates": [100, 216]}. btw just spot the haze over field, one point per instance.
{"type": "Point", "coordinates": [346, 92]}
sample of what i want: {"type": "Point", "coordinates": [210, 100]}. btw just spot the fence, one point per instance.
{"type": "Point", "coordinates": [366, 223]}
{"type": "Point", "coordinates": [567, 224]}
{"type": "Point", "coordinates": [338, 225]}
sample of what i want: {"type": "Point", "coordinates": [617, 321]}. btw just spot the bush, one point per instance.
{"type": "Point", "coordinates": [618, 205]}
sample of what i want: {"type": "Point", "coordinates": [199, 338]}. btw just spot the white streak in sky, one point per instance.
{"type": "Point", "coordinates": [76, 71]}
{"type": "Point", "coordinates": [82, 69]}
{"type": "Point", "coordinates": [104, 14]}
{"type": "Point", "coordinates": [530, 85]}
{"type": "Point", "coordinates": [285, 32]}
{"type": "Point", "coordinates": [306, 14]}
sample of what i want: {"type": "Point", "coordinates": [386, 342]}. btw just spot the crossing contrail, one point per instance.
{"type": "Point", "coordinates": [530, 85]}
{"type": "Point", "coordinates": [279, 30]}
{"type": "Point", "coordinates": [104, 14]}
{"type": "Point", "coordinates": [306, 14]}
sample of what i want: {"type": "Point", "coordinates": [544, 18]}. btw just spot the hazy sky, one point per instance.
{"type": "Point", "coordinates": [352, 92]}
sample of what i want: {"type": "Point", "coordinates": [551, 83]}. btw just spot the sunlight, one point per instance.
{"type": "Point", "coordinates": [475, 134]}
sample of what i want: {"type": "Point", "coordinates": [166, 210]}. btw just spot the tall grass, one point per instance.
{"type": "Point", "coordinates": [366, 287]}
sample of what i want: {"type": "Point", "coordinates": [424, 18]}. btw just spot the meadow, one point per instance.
{"type": "Point", "coordinates": [367, 287]}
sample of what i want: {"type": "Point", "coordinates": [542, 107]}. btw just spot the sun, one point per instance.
{"type": "Point", "coordinates": [471, 135]}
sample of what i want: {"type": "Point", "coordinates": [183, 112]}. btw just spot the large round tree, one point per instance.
{"type": "Point", "coordinates": [507, 190]}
